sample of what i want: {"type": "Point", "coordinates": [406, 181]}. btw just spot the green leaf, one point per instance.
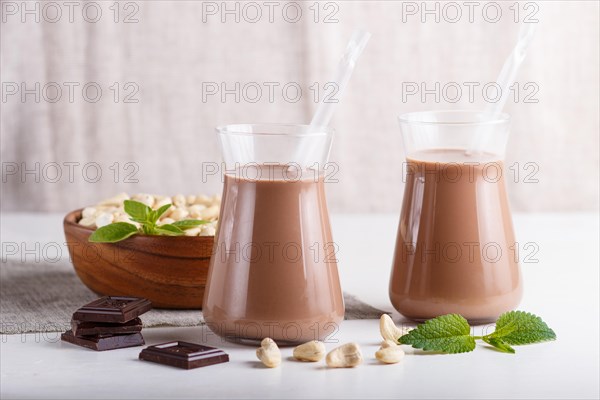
{"type": "Point", "coordinates": [519, 327]}
{"type": "Point", "coordinates": [141, 221]}
{"type": "Point", "coordinates": [449, 333]}
{"type": "Point", "coordinates": [169, 230]}
{"type": "Point", "coordinates": [160, 211]}
{"type": "Point", "coordinates": [499, 344]}
{"type": "Point", "coordinates": [152, 218]}
{"type": "Point", "coordinates": [189, 223]}
{"type": "Point", "coordinates": [139, 212]}
{"type": "Point", "coordinates": [113, 233]}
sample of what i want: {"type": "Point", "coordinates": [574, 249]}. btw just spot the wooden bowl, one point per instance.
{"type": "Point", "coordinates": [169, 271]}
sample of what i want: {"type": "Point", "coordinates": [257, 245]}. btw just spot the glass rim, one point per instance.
{"type": "Point", "coordinates": [418, 118]}
{"type": "Point", "coordinates": [273, 129]}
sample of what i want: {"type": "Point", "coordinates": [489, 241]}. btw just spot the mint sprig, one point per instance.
{"type": "Point", "coordinates": [148, 220]}
{"type": "Point", "coordinates": [451, 333]}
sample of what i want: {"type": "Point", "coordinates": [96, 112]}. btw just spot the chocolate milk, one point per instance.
{"type": "Point", "coordinates": [455, 249]}
{"type": "Point", "coordinates": [273, 272]}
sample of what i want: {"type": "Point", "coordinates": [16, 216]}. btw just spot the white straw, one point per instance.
{"type": "Point", "coordinates": [511, 66]}
{"type": "Point", "coordinates": [355, 46]}
{"type": "Point", "coordinates": [506, 78]}
{"type": "Point", "coordinates": [305, 154]}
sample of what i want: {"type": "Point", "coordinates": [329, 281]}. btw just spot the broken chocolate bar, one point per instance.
{"type": "Point", "coordinates": [87, 328]}
{"type": "Point", "coordinates": [101, 343]}
{"type": "Point", "coordinates": [184, 355]}
{"type": "Point", "coordinates": [115, 309]}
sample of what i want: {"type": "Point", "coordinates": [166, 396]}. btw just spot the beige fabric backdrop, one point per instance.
{"type": "Point", "coordinates": [169, 132]}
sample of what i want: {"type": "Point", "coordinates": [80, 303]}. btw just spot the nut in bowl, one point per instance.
{"type": "Point", "coordinates": [165, 261]}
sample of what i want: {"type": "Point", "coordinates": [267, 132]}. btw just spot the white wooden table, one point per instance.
{"type": "Point", "coordinates": [563, 288]}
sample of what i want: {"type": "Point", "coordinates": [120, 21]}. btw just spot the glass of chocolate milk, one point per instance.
{"type": "Point", "coordinates": [455, 247]}
{"type": "Point", "coordinates": [273, 272]}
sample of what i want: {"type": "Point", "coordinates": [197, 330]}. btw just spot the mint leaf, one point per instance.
{"type": "Point", "coordinates": [169, 230]}
{"type": "Point", "coordinates": [157, 213]}
{"type": "Point", "coordinates": [113, 233]}
{"type": "Point", "coordinates": [499, 344]}
{"type": "Point", "coordinates": [519, 327]}
{"type": "Point", "coordinates": [189, 223]}
{"type": "Point", "coordinates": [138, 212]}
{"type": "Point", "coordinates": [449, 333]}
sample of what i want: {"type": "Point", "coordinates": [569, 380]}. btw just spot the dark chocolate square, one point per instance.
{"type": "Point", "coordinates": [115, 309]}
{"type": "Point", "coordinates": [101, 343]}
{"type": "Point", "coordinates": [184, 355]}
{"type": "Point", "coordinates": [88, 328]}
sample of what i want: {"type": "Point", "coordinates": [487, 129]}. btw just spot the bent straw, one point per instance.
{"type": "Point", "coordinates": [506, 78]}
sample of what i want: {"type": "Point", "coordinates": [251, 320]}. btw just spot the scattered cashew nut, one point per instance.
{"type": "Point", "coordinates": [347, 355]}
{"type": "Point", "coordinates": [389, 330]}
{"type": "Point", "coordinates": [310, 351]}
{"type": "Point", "coordinates": [269, 353]}
{"type": "Point", "coordinates": [389, 352]}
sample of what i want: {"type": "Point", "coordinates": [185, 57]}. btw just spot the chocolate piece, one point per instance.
{"type": "Point", "coordinates": [184, 355]}
{"type": "Point", "coordinates": [101, 343]}
{"type": "Point", "coordinates": [87, 328]}
{"type": "Point", "coordinates": [113, 309]}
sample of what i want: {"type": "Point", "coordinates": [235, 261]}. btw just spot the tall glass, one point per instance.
{"type": "Point", "coordinates": [455, 247]}
{"type": "Point", "coordinates": [273, 272]}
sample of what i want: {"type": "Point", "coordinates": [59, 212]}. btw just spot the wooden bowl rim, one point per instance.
{"type": "Point", "coordinates": [70, 222]}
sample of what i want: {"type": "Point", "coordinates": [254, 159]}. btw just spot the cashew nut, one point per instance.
{"type": "Point", "coordinates": [177, 213]}
{"type": "Point", "coordinates": [192, 232]}
{"type": "Point", "coordinates": [389, 330]}
{"type": "Point", "coordinates": [208, 230]}
{"type": "Point", "coordinates": [269, 353]}
{"type": "Point", "coordinates": [145, 198]}
{"type": "Point", "coordinates": [87, 221]}
{"type": "Point", "coordinates": [125, 218]}
{"type": "Point", "coordinates": [103, 219]}
{"type": "Point", "coordinates": [389, 352]}
{"type": "Point", "coordinates": [162, 202]}
{"type": "Point", "coordinates": [88, 212]}
{"type": "Point", "coordinates": [165, 220]}
{"type": "Point", "coordinates": [179, 200]}
{"type": "Point", "coordinates": [347, 355]}
{"type": "Point", "coordinates": [196, 210]}
{"type": "Point", "coordinates": [190, 199]}
{"type": "Point", "coordinates": [310, 351]}
{"type": "Point", "coordinates": [210, 213]}
{"type": "Point", "coordinates": [203, 199]}
{"type": "Point", "coordinates": [115, 200]}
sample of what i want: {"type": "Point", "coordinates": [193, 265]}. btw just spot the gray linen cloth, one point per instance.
{"type": "Point", "coordinates": [41, 297]}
